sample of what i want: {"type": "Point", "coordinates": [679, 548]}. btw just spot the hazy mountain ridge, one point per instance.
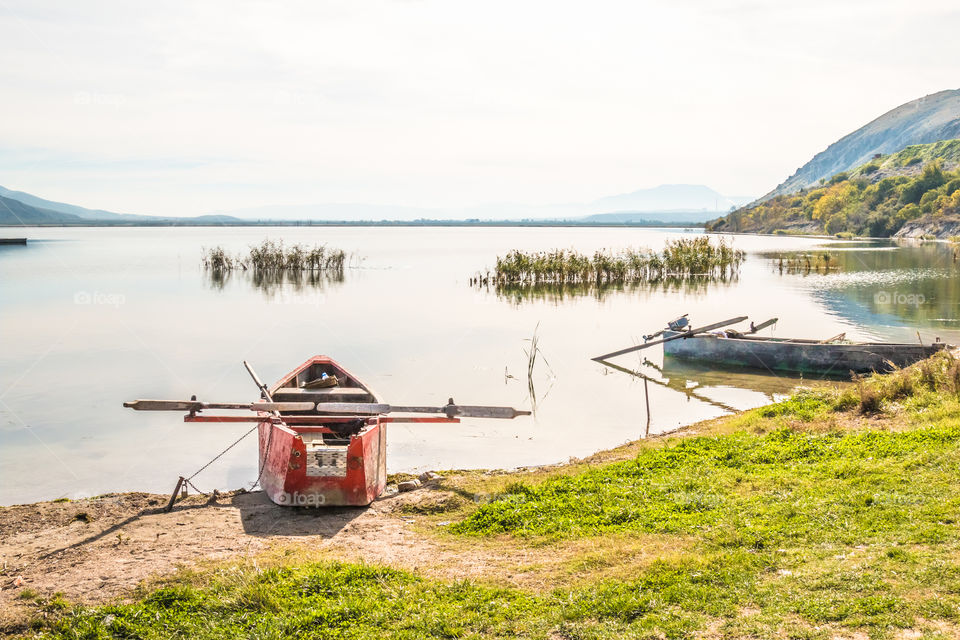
{"type": "Point", "coordinates": [16, 213]}
{"type": "Point", "coordinates": [672, 203]}
{"type": "Point", "coordinates": [663, 203]}
{"type": "Point", "coordinates": [25, 210]}
{"type": "Point", "coordinates": [928, 119]}
{"type": "Point", "coordinates": [62, 207]}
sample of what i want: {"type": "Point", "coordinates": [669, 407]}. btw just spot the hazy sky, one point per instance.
{"type": "Point", "coordinates": [183, 108]}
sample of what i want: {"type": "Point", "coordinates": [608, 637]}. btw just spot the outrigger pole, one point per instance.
{"type": "Point", "coordinates": [685, 334]}
{"type": "Point", "coordinates": [450, 410]}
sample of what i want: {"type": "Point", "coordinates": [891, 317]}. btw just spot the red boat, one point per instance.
{"type": "Point", "coordinates": [327, 461]}
{"type": "Point", "coordinates": [322, 433]}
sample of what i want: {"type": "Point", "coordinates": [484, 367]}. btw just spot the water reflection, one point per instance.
{"type": "Point", "coordinates": [886, 284]}
{"type": "Point", "coordinates": [676, 384]}
{"type": "Point", "coordinates": [272, 281]}
{"type": "Point", "coordinates": [556, 293]}
{"type": "Point", "coordinates": [726, 389]}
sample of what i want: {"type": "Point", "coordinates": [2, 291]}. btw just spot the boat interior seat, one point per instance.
{"type": "Point", "coordinates": [330, 391]}
{"type": "Point", "coordinates": [333, 394]}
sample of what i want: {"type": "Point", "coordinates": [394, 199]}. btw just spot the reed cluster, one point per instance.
{"type": "Point", "coordinates": [807, 263]}
{"type": "Point", "coordinates": [272, 255]}
{"type": "Point", "coordinates": [685, 258]}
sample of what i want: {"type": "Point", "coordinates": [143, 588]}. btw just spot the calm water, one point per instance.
{"type": "Point", "coordinates": [92, 317]}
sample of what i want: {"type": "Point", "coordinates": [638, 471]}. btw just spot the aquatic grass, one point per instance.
{"type": "Point", "coordinates": [680, 259]}
{"type": "Point", "coordinates": [274, 256]}
{"type": "Point", "coordinates": [807, 263]}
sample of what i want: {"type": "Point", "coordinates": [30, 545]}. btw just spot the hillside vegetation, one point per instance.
{"type": "Point", "coordinates": [875, 199]}
{"type": "Point", "coordinates": [921, 121]}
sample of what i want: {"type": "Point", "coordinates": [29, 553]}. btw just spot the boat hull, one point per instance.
{"type": "Point", "coordinates": [803, 356]}
{"type": "Point", "coordinates": [312, 460]}
{"type": "Point", "coordinates": [296, 471]}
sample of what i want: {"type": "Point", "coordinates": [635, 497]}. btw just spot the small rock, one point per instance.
{"type": "Point", "coordinates": [409, 485]}
{"type": "Point", "coordinates": [427, 476]}
{"type": "Point", "coordinates": [18, 582]}
{"type": "Point", "coordinates": [390, 489]}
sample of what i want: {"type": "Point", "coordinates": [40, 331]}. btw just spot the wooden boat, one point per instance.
{"type": "Point", "coordinates": [822, 357]}
{"type": "Point", "coordinates": [330, 461]}
{"type": "Point", "coordinates": [322, 433]}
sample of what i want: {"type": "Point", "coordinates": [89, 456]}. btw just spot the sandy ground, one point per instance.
{"type": "Point", "coordinates": [99, 549]}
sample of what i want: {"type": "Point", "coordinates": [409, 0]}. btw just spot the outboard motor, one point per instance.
{"type": "Point", "coordinates": [679, 324]}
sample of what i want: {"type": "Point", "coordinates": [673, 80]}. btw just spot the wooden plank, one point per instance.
{"type": "Point", "coordinates": [196, 405]}
{"type": "Point", "coordinates": [450, 410]}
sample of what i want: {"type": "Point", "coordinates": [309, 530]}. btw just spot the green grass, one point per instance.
{"type": "Point", "coordinates": [752, 491]}
{"type": "Point", "coordinates": [322, 600]}
{"type": "Point", "coordinates": [337, 600]}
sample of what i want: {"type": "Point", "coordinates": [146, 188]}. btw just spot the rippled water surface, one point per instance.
{"type": "Point", "coordinates": [93, 317]}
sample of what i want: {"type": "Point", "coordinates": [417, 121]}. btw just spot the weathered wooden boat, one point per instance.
{"type": "Point", "coordinates": [834, 356]}
{"type": "Point", "coordinates": [312, 459]}
{"type": "Point", "coordinates": [821, 357]}
{"type": "Point", "coordinates": [322, 433]}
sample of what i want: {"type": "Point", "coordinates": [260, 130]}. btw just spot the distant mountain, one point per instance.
{"type": "Point", "coordinates": [16, 213]}
{"type": "Point", "coordinates": [72, 209]}
{"type": "Point", "coordinates": [18, 208]}
{"type": "Point", "coordinates": [666, 203]}
{"type": "Point", "coordinates": [669, 203]}
{"type": "Point", "coordinates": [667, 217]}
{"type": "Point", "coordinates": [928, 119]}
{"type": "Point", "coordinates": [667, 197]}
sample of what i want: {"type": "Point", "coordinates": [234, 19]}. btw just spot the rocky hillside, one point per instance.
{"type": "Point", "coordinates": [928, 119]}
{"type": "Point", "coordinates": [913, 192]}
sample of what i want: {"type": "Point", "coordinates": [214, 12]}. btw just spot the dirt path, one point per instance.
{"type": "Point", "coordinates": [98, 549]}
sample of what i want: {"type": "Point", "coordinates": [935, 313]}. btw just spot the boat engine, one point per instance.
{"type": "Point", "coordinates": [679, 324]}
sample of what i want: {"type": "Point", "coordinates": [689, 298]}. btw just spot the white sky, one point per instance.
{"type": "Point", "coordinates": [183, 108]}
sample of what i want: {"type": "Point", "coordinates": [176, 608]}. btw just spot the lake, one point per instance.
{"type": "Point", "coordinates": [91, 317]}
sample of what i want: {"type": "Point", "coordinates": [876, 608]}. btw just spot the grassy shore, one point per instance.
{"type": "Point", "coordinates": [831, 514]}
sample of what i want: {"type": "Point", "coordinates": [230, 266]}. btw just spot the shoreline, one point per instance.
{"type": "Point", "coordinates": [71, 547]}
{"type": "Point", "coordinates": [824, 515]}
